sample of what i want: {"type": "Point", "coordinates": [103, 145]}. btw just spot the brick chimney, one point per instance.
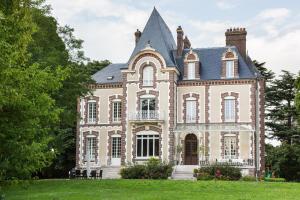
{"type": "Point", "coordinates": [186, 43]}
{"type": "Point", "coordinates": [180, 43]}
{"type": "Point", "coordinates": [237, 37]}
{"type": "Point", "coordinates": [137, 35]}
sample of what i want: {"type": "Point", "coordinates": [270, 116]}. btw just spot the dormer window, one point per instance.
{"type": "Point", "coordinates": [191, 66]}
{"type": "Point", "coordinates": [229, 64]}
{"type": "Point", "coordinates": [148, 76]}
{"type": "Point", "coordinates": [191, 71]}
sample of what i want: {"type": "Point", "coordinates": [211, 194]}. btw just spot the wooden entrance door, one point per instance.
{"type": "Point", "coordinates": [191, 150]}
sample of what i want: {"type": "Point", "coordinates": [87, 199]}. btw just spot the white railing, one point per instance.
{"type": "Point", "coordinates": [205, 161]}
{"type": "Point", "coordinates": [145, 115]}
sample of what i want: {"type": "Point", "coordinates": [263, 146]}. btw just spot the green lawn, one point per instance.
{"type": "Point", "coordinates": [152, 189]}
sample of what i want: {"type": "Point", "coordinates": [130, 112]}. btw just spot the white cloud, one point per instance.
{"type": "Point", "coordinates": [227, 4]}
{"type": "Point", "coordinates": [107, 27]}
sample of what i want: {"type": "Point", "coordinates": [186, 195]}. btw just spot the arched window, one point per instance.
{"type": "Point", "coordinates": [148, 76]}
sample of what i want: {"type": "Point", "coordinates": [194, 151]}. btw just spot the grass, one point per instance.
{"type": "Point", "coordinates": [151, 189]}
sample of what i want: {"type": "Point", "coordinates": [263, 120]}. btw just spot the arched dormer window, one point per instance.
{"type": "Point", "coordinates": [229, 64]}
{"type": "Point", "coordinates": [148, 76]}
{"type": "Point", "coordinates": [191, 66]}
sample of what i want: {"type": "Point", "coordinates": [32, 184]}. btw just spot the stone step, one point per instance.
{"type": "Point", "coordinates": [111, 173]}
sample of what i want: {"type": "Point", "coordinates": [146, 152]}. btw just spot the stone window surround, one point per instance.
{"type": "Point", "coordinates": [86, 106]}
{"type": "Point", "coordinates": [236, 96]}
{"type": "Point", "coordinates": [85, 135]}
{"type": "Point", "coordinates": [144, 92]}
{"type": "Point", "coordinates": [223, 135]}
{"type": "Point", "coordinates": [191, 57]}
{"type": "Point", "coordinates": [110, 112]}
{"type": "Point", "coordinates": [185, 97]}
{"type": "Point", "coordinates": [230, 55]}
{"type": "Point", "coordinates": [109, 147]}
{"type": "Point", "coordinates": [138, 129]}
{"type": "Point", "coordinates": [141, 69]}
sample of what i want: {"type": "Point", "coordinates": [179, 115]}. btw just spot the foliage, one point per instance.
{"type": "Point", "coordinates": [297, 96]}
{"type": "Point", "coordinates": [27, 109]}
{"type": "Point", "coordinates": [275, 180]}
{"type": "Point", "coordinates": [153, 169]}
{"type": "Point", "coordinates": [284, 160]}
{"type": "Point", "coordinates": [248, 178]}
{"type": "Point", "coordinates": [203, 176]}
{"type": "Point", "coordinates": [227, 171]}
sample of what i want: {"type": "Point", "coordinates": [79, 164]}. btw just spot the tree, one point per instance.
{"type": "Point", "coordinates": [52, 46]}
{"type": "Point", "coordinates": [27, 109]}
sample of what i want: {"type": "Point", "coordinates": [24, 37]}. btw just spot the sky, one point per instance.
{"type": "Point", "coordinates": [107, 26]}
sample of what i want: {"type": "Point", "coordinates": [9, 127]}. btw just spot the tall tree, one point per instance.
{"type": "Point", "coordinates": [27, 109]}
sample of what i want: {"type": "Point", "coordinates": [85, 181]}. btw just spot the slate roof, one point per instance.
{"type": "Point", "coordinates": [157, 32]}
{"type": "Point", "coordinates": [211, 62]}
{"type": "Point", "coordinates": [113, 70]}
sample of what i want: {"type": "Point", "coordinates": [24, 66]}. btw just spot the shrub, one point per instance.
{"type": "Point", "coordinates": [204, 176]}
{"type": "Point", "coordinates": [248, 178]}
{"type": "Point", "coordinates": [275, 179]}
{"type": "Point", "coordinates": [153, 169]}
{"type": "Point", "coordinates": [133, 172]}
{"type": "Point", "coordinates": [221, 171]}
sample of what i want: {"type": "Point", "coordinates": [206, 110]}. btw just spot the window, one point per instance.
{"type": "Point", "coordinates": [191, 71]}
{"type": "Point", "coordinates": [148, 108]}
{"type": "Point", "coordinates": [229, 109]}
{"type": "Point", "coordinates": [92, 111]}
{"type": "Point", "coordinates": [147, 146]}
{"type": "Point", "coordinates": [230, 69]}
{"type": "Point", "coordinates": [230, 147]}
{"type": "Point", "coordinates": [91, 147]}
{"type": "Point", "coordinates": [190, 111]}
{"type": "Point", "coordinates": [148, 76]}
{"type": "Point", "coordinates": [117, 111]}
{"type": "Point", "coordinates": [116, 147]}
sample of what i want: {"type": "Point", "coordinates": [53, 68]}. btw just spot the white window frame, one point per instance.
{"type": "Point", "coordinates": [91, 147]}
{"type": "Point", "coordinates": [229, 68]}
{"type": "Point", "coordinates": [191, 111]}
{"type": "Point", "coordinates": [191, 71]}
{"type": "Point", "coordinates": [148, 72]}
{"type": "Point", "coordinates": [146, 137]}
{"type": "Point", "coordinates": [230, 147]}
{"type": "Point", "coordinates": [116, 146]}
{"type": "Point", "coordinates": [116, 111]}
{"type": "Point", "coordinates": [92, 111]}
{"type": "Point", "coordinates": [229, 110]}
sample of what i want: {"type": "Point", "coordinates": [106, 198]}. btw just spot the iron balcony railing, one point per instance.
{"type": "Point", "coordinates": [146, 115]}
{"type": "Point", "coordinates": [205, 161]}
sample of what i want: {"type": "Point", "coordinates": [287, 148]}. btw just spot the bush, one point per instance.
{"type": "Point", "coordinates": [275, 179]}
{"type": "Point", "coordinates": [248, 178]}
{"type": "Point", "coordinates": [204, 176]}
{"type": "Point", "coordinates": [153, 169]}
{"type": "Point", "coordinates": [220, 171]}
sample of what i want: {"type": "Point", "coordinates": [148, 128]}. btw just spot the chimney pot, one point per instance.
{"type": "Point", "coordinates": [180, 42]}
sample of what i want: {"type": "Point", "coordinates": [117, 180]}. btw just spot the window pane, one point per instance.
{"type": "Point", "coordinates": [150, 147]}
{"type": "Point", "coordinates": [191, 70]}
{"type": "Point", "coordinates": [191, 111]}
{"type": "Point", "coordinates": [116, 111]}
{"type": "Point", "coordinates": [229, 109]}
{"type": "Point", "coordinates": [229, 69]}
{"type": "Point", "coordinates": [148, 76]}
{"type": "Point", "coordinates": [92, 112]}
{"type": "Point", "coordinates": [156, 153]}
{"type": "Point", "coordinates": [151, 104]}
{"type": "Point", "coordinates": [139, 148]}
{"type": "Point", "coordinates": [145, 147]}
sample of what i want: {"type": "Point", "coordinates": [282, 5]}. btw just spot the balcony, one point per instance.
{"type": "Point", "coordinates": [205, 161]}
{"type": "Point", "coordinates": [146, 116]}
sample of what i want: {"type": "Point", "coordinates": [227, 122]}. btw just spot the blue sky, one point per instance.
{"type": "Point", "coordinates": [107, 26]}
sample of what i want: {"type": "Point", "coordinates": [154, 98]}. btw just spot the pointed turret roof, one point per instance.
{"type": "Point", "coordinates": [160, 37]}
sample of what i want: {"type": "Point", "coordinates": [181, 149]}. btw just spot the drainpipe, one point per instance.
{"type": "Point", "coordinates": [257, 130]}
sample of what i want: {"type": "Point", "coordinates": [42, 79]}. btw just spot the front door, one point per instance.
{"type": "Point", "coordinates": [191, 150]}
{"type": "Point", "coordinates": [116, 151]}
